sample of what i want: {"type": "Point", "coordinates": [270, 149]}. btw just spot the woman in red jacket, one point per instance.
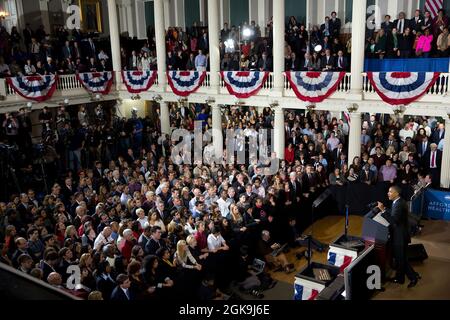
{"type": "Point", "coordinates": [289, 153]}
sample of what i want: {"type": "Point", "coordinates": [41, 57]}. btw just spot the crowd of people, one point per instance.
{"type": "Point", "coordinates": [419, 36]}
{"type": "Point", "coordinates": [132, 220]}
{"type": "Point", "coordinates": [37, 52]}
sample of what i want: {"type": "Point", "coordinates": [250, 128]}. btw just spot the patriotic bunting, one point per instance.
{"type": "Point", "coordinates": [341, 258]}
{"type": "Point", "coordinates": [244, 84]}
{"type": "Point", "coordinates": [38, 88]}
{"type": "Point", "coordinates": [183, 83]}
{"type": "Point", "coordinates": [314, 86]}
{"type": "Point", "coordinates": [96, 82]}
{"type": "Point", "coordinates": [402, 88]}
{"type": "Point", "coordinates": [138, 81]}
{"type": "Point", "coordinates": [306, 290]}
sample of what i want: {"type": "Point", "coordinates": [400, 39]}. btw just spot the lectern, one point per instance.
{"type": "Point", "coordinates": [376, 231]}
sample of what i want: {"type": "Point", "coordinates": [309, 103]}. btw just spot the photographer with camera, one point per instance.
{"type": "Point", "coordinates": [11, 127]}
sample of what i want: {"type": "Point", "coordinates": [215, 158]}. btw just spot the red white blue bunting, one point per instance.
{"type": "Point", "coordinates": [339, 260]}
{"type": "Point", "coordinates": [314, 86]}
{"type": "Point", "coordinates": [38, 88]}
{"type": "Point", "coordinates": [96, 82]}
{"type": "Point", "coordinates": [138, 81]}
{"type": "Point", "coordinates": [402, 88]}
{"type": "Point", "coordinates": [244, 84]}
{"type": "Point", "coordinates": [183, 83]}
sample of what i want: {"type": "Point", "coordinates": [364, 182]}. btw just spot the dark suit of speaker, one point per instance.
{"type": "Point", "coordinates": [398, 218]}
{"type": "Point", "coordinates": [119, 295]}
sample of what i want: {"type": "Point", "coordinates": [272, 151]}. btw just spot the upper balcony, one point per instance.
{"type": "Point", "coordinates": [69, 87]}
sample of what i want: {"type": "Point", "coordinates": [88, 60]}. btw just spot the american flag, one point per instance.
{"type": "Point", "coordinates": [434, 6]}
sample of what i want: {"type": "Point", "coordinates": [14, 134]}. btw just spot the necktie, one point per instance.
{"type": "Point", "coordinates": [340, 62]}
{"type": "Point", "coordinates": [424, 147]}
{"type": "Point", "coordinates": [127, 294]}
{"type": "Point", "coordinates": [433, 159]}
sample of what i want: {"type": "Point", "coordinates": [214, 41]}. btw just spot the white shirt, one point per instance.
{"type": "Point", "coordinates": [143, 221]}
{"type": "Point", "coordinates": [215, 242]}
{"type": "Point", "coordinates": [224, 206]}
{"type": "Point", "coordinates": [101, 240]}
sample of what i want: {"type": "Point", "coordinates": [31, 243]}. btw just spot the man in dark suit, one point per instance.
{"type": "Point", "coordinates": [265, 64]}
{"type": "Point", "coordinates": [401, 23]}
{"type": "Point", "coordinates": [423, 147]}
{"type": "Point", "coordinates": [154, 243]}
{"type": "Point", "coordinates": [432, 162]}
{"type": "Point", "coordinates": [335, 25]}
{"type": "Point", "coordinates": [27, 35]}
{"type": "Point", "coordinates": [416, 22]}
{"type": "Point", "coordinates": [387, 25]}
{"type": "Point", "coordinates": [438, 133]}
{"type": "Point", "coordinates": [328, 61]}
{"type": "Point", "coordinates": [341, 62]}
{"type": "Point", "coordinates": [122, 292]}
{"type": "Point", "coordinates": [341, 161]}
{"type": "Point", "coordinates": [296, 189]}
{"type": "Point", "coordinates": [391, 142]}
{"type": "Point", "coordinates": [399, 228]}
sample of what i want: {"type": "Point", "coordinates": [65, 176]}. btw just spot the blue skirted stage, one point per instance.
{"type": "Point", "coordinates": [407, 65]}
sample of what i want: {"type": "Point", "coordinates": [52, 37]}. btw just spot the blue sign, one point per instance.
{"type": "Point", "coordinates": [437, 205]}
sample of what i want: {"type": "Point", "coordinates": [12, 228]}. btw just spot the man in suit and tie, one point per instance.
{"type": "Point", "coordinates": [91, 50]}
{"type": "Point", "coordinates": [391, 142]}
{"type": "Point", "coordinates": [67, 51]}
{"type": "Point", "coordinates": [416, 21]}
{"type": "Point", "coordinates": [399, 229]}
{"type": "Point", "coordinates": [341, 61]}
{"type": "Point", "coordinates": [438, 133]}
{"type": "Point", "coordinates": [307, 63]}
{"type": "Point", "coordinates": [423, 147]}
{"type": "Point", "coordinates": [342, 161]}
{"type": "Point", "coordinates": [154, 243]}
{"type": "Point", "coordinates": [432, 161]}
{"type": "Point", "coordinates": [367, 176]}
{"type": "Point", "coordinates": [387, 25]}
{"type": "Point", "coordinates": [296, 189]}
{"type": "Point", "coordinates": [401, 23]}
{"type": "Point", "coordinates": [336, 153]}
{"type": "Point", "coordinates": [427, 21]}
{"type": "Point", "coordinates": [123, 291]}
{"type": "Point", "coordinates": [265, 64]}
{"type": "Point", "coordinates": [328, 61]}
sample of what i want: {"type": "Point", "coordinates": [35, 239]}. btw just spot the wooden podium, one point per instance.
{"type": "Point", "coordinates": [376, 233]}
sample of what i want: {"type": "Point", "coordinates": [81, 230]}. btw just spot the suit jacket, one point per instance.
{"type": "Point", "coordinates": [331, 62]}
{"type": "Point", "coordinates": [344, 64]}
{"type": "Point", "coordinates": [297, 192]}
{"type": "Point", "coordinates": [118, 294]}
{"type": "Point", "coordinates": [420, 149]}
{"type": "Point", "coordinates": [398, 219]}
{"type": "Point", "coordinates": [435, 136]}
{"type": "Point", "coordinates": [152, 245]}
{"type": "Point", "coordinates": [268, 64]}
{"type": "Point", "coordinates": [289, 64]}
{"type": "Point", "coordinates": [405, 24]}
{"type": "Point", "coordinates": [306, 66]}
{"type": "Point", "coordinates": [427, 159]}
{"type": "Point", "coordinates": [386, 26]}
{"type": "Point", "coordinates": [416, 26]}
{"type": "Point", "coordinates": [394, 143]}
{"type": "Point", "coordinates": [335, 27]}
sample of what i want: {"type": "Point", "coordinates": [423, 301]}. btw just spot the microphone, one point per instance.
{"type": "Point", "coordinates": [372, 205]}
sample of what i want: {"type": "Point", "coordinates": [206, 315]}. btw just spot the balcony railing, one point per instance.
{"type": "Point", "coordinates": [68, 85]}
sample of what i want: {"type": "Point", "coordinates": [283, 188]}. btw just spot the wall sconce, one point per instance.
{"type": "Point", "coordinates": [29, 105]}
{"type": "Point", "coordinates": [210, 100]}
{"type": "Point", "coordinates": [399, 110]}
{"type": "Point", "coordinates": [3, 14]}
{"type": "Point", "coordinates": [353, 108]}
{"type": "Point", "coordinates": [96, 97]}
{"type": "Point", "coordinates": [240, 103]}
{"type": "Point", "coordinates": [136, 97]}
{"type": "Point", "coordinates": [274, 104]}
{"type": "Point", "coordinates": [157, 98]}
{"type": "Point", "coordinates": [311, 107]}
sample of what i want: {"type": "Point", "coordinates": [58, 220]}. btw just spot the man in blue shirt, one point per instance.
{"type": "Point", "coordinates": [200, 61]}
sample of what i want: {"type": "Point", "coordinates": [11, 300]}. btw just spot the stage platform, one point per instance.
{"type": "Point", "coordinates": [435, 281]}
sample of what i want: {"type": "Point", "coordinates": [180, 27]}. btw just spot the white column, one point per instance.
{"type": "Point", "coordinates": [358, 43]}
{"type": "Point", "coordinates": [354, 140]}
{"type": "Point", "coordinates": [20, 17]}
{"type": "Point", "coordinates": [115, 40]}
{"type": "Point", "coordinates": [263, 15]}
{"type": "Point", "coordinates": [225, 12]}
{"type": "Point", "coordinates": [165, 120]}
{"type": "Point", "coordinates": [141, 25]}
{"type": "Point", "coordinates": [214, 52]}
{"type": "Point", "coordinates": [278, 45]}
{"type": "Point", "coordinates": [122, 18]}
{"type": "Point", "coordinates": [130, 19]}
{"type": "Point", "coordinates": [278, 135]}
{"type": "Point", "coordinates": [217, 130]}
{"type": "Point", "coordinates": [43, 7]}
{"type": "Point", "coordinates": [167, 22]}
{"type": "Point", "coordinates": [202, 21]}
{"type": "Point", "coordinates": [160, 43]}
{"type": "Point", "coordinates": [252, 11]}
{"type": "Point", "coordinates": [180, 20]}
{"type": "Point", "coordinates": [445, 166]}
